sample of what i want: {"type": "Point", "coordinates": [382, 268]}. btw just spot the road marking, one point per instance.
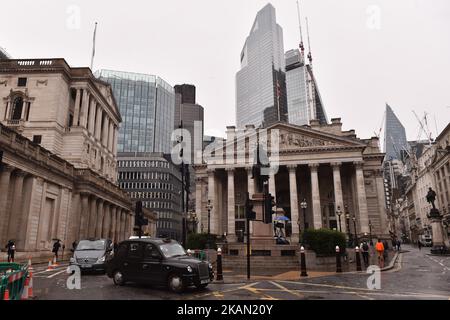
{"type": "Point", "coordinates": [55, 274]}
{"type": "Point", "coordinates": [286, 289]}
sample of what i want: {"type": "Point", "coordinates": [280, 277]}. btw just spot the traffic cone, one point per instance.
{"type": "Point", "coordinates": [30, 286]}
{"type": "Point", "coordinates": [25, 289]}
{"type": "Point", "coordinates": [55, 263]}
{"type": "Point", "coordinates": [50, 266]}
{"type": "Point", "coordinates": [30, 267]}
{"type": "Point", "coordinates": [6, 295]}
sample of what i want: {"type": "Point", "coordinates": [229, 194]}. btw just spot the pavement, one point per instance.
{"type": "Point", "coordinates": [412, 275]}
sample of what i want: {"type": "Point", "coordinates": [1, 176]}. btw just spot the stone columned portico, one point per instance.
{"type": "Point", "coordinates": [323, 164]}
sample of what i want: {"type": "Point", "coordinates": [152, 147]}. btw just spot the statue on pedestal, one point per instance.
{"type": "Point", "coordinates": [431, 198]}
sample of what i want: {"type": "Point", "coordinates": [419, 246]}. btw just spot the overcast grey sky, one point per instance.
{"type": "Point", "coordinates": [366, 53]}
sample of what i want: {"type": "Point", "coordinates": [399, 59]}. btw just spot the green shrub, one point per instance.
{"type": "Point", "coordinates": [324, 241]}
{"type": "Point", "coordinates": [198, 241]}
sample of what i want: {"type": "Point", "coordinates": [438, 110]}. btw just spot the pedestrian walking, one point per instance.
{"type": "Point", "coordinates": [74, 246]}
{"type": "Point", "coordinates": [419, 244]}
{"type": "Point", "coordinates": [399, 243]}
{"type": "Point", "coordinates": [365, 253]}
{"type": "Point", "coordinates": [379, 247]}
{"type": "Point", "coordinates": [11, 250]}
{"type": "Point", "coordinates": [56, 247]}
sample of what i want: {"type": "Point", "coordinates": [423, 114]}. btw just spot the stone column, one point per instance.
{"type": "Point", "coordinates": [117, 235]}
{"type": "Point", "coordinates": [231, 232]}
{"type": "Point", "coordinates": [106, 220]}
{"type": "Point", "coordinates": [294, 204]}
{"type": "Point", "coordinates": [273, 185]}
{"type": "Point", "coordinates": [76, 113]}
{"type": "Point", "coordinates": [214, 220]}
{"type": "Point", "coordinates": [110, 136]}
{"type": "Point", "coordinates": [198, 205]}
{"type": "Point", "coordinates": [105, 130]}
{"type": "Point", "coordinates": [112, 233]}
{"type": "Point", "coordinates": [84, 109]}
{"type": "Point", "coordinates": [16, 206]}
{"type": "Point", "coordinates": [316, 208]}
{"type": "Point", "coordinates": [121, 225]}
{"type": "Point", "coordinates": [91, 227]}
{"type": "Point", "coordinates": [115, 141]}
{"type": "Point", "coordinates": [100, 215]}
{"type": "Point", "coordinates": [338, 198]}
{"type": "Point", "coordinates": [362, 200]}
{"type": "Point", "coordinates": [381, 202]}
{"type": "Point", "coordinates": [84, 221]}
{"type": "Point", "coordinates": [5, 179]}
{"type": "Point", "coordinates": [92, 112]}
{"type": "Point", "coordinates": [98, 122]}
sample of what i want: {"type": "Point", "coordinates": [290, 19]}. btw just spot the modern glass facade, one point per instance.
{"type": "Point", "coordinates": [395, 136]}
{"type": "Point", "coordinates": [260, 88]}
{"type": "Point", "coordinates": [153, 179]}
{"type": "Point", "coordinates": [147, 106]}
{"type": "Point", "coordinates": [303, 98]}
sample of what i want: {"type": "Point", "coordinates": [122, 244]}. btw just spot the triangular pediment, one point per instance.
{"type": "Point", "coordinates": [303, 137]}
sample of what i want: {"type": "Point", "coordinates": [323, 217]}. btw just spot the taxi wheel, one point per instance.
{"type": "Point", "coordinates": [176, 283]}
{"type": "Point", "coordinates": [118, 278]}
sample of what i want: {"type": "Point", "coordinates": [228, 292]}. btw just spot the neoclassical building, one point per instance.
{"type": "Point", "coordinates": [322, 164]}
{"type": "Point", "coordinates": [58, 135]}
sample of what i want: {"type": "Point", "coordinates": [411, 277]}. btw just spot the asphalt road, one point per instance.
{"type": "Point", "coordinates": [416, 276]}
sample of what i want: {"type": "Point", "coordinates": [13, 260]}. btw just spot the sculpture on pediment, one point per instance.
{"type": "Point", "coordinates": [301, 141]}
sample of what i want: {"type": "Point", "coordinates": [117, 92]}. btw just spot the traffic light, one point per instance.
{"type": "Point", "coordinates": [249, 213]}
{"type": "Point", "coordinates": [139, 219]}
{"type": "Point", "coordinates": [269, 203]}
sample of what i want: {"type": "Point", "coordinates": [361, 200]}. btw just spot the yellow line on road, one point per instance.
{"type": "Point", "coordinates": [287, 290]}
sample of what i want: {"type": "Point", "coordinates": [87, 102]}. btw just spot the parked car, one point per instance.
{"type": "Point", "coordinates": [159, 262]}
{"type": "Point", "coordinates": [426, 240]}
{"type": "Point", "coordinates": [92, 254]}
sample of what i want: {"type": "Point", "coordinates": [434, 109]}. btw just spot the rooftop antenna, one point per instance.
{"type": "Point", "coordinates": [93, 47]}
{"type": "Point", "coordinates": [302, 47]}
{"type": "Point", "coordinates": [309, 43]}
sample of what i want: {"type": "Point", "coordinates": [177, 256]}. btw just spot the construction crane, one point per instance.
{"type": "Point", "coordinates": [424, 127]}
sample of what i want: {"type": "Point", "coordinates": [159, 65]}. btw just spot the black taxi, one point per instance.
{"type": "Point", "coordinates": [158, 262]}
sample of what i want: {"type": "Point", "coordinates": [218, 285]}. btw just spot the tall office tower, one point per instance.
{"type": "Point", "coordinates": [4, 55]}
{"type": "Point", "coordinates": [260, 84]}
{"type": "Point", "coordinates": [395, 136]}
{"type": "Point", "coordinates": [189, 112]}
{"type": "Point", "coordinates": [191, 115]}
{"type": "Point", "coordinates": [147, 106]}
{"type": "Point", "coordinates": [303, 97]}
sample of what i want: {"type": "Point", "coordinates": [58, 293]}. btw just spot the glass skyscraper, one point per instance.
{"type": "Point", "coordinates": [260, 84]}
{"type": "Point", "coordinates": [147, 106]}
{"type": "Point", "coordinates": [395, 142]}
{"type": "Point", "coordinates": [303, 97]}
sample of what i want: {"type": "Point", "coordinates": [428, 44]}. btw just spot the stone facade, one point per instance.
{"type": "Point", "coordinates": [320, 163]}
{"type": "Point", "coordinates": [58, 135]}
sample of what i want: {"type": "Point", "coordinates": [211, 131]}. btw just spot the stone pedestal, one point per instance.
{"type": "Point", "coordinates": [437, 231]}
{"type": "Point", "coordinates": [262, 233]}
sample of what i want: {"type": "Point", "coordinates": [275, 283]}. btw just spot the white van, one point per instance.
{"type": "Point", "coordinates": [426, 240]}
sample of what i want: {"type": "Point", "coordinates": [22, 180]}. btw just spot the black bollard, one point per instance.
{"type": "Point", "coordinates": [303, 262]}
{"type": "Point", "coordinates": [358, 259]}
{"type": "Point", "coordinates": [338, 260]}
{"type": "Point", "coordinates": [219, 265]}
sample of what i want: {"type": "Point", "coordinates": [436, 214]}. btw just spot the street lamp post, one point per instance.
{"type": "Point", "coordinates": [347, 223]}
{"type": "Point", "coordinates": [339, 214]}
{"type": "Point", "coordinates": [209, 206]}
{"type": "Point", "coordinates": [304, 205]}
{"type": "Point", "coordinates": [356, 233]}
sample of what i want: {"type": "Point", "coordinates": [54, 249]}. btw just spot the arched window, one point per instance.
{"type": "Point", "coordinates": [17, 107]}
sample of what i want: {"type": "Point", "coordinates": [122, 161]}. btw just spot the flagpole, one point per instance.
{"type": "Point", "coordinates": [93, 48]}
